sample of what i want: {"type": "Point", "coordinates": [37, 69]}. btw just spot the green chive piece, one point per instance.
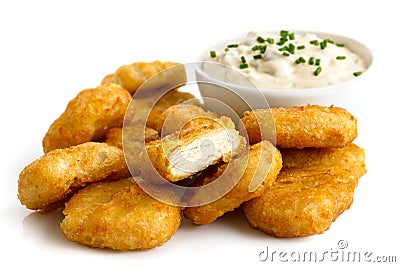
{"type": "Point", "coordinates": [255, 48]}
{"type": "Point", "coordinates": [311, 61]}
{"type": "Point", "coordinates": [297, 61]}
{"type": "Point", "coordinates": [318, 62]}
{"type": "Point", "coordinates": [300, 47]}
{"type": "Point", "coordinates": [285, 48]}
{"type": "Point", "coordinates": [233, 45]}
{"type": "Point", "coordinates": [340, 57]}
{"type": "Point", "coordinates": [302, 59]}
{"type": "Point", "coordinates": [357, 73]}
{"type": "Point", "coordinates": [257, 56]}
{"type": "Point", "coordinates": [317, 71]}
{"type": "Point", "coordinates": [213, 54]}
{"type": "Point", "coordinates": [243, 66]}
{"type": "Point", "coordinates": [286, 54]}
{"type": "Point", "coordinates": [243, 59]}
{"type": "Point", "coordinates": [328, 41]}
{"type": "Point", "coordinates": [260, 39]}
{"type": "Point", "coordinates": [262, 48]}
{"type": "Point", "coordinates": [270, 41]}
{"type": "Point", "coordinates": [291, 48]}
{"type": "Point", "coordinates": [284, 33]}
{"type": "Point", "coordinates": [323, 45]}
{"type": "Point", "coordinates": [226, 49]}
{"type": "Point", "coordinates": [291, 36]}
{"type": "Point", "coordinates": [339, 45]}
{"type": "Point", "coordinates": [314, 42]}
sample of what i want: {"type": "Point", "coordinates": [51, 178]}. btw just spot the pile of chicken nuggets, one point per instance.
{"type": "Point", "coordinates": [291, 178]}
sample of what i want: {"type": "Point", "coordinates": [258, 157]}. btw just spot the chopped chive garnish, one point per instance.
{"type": "Point", "coordinates": [311, 61]}
{"type": "Point", "coordinates": [286, 54]}
{"type": "Point", "coordinates": [339, 45]}
{"type": "Point", "coordinates": [317, 71]}
{"type": "Point", "coordinates": [323, 45]}
{"type": "Point", "coordinates": [340, 57]}
{"type": "Point", "coordinates": [291, 48]}
{"type": "Point", "coordinates": [262, 48]}
{"type": "Point", "coordinates": [281, 42]}
{"type": "Point", "coordinates": [270, 41]}
{"type": "Point", "coordinates": [243, 59]}
{"type": "Point", "coordinates": [318, 62]}
{"type": "Point", "coordinates": [213, 54]}
{"type": "Point", "coordinates": [357, 73]}
{"type": "Point", "coordinates": [314, 42]}
{"type": "Point", "coordinates": [255, 48]}
{"type": "Point", "coordinates": [284, 48]}
{"type": "Point", "coordinates": [257, 56]}
{"type": "Point", "coordinates": [232, 45]}
{"type": "Point", "coordinates": [284, 33]}
{"type": "Point", "coordinates": [300, 47]}
{"type": "Point", "coordinates": [260, 39]}
{"type": "Point", "coordinates": [226, 49]}
{"type": "Point", "coordinates": [291, 36]}
{"type": "Point", "coordinates": [243, 66]}
{"type": "Point", "coordinates": [300, 60]}
{"type": "Point", "coordinates": [328, 41]}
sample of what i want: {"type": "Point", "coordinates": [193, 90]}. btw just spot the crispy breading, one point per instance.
{"type": "Point", "coordinates": [88, 116]}
{"type": "Point", "coordinates": [199, 144]}
{"type": "Point", "coordinates": [149, 110]}
{"type": "Point", "coordinates": [262, 167]}
{"type": "Point", "coordinates": [132, 76]}
{"type": "Point", "coordinates": [173, 118]}
{"type": "Point", "coordinates": [118, 215]}
{"type": "Point", "coordinates": [298, 127]}
{"type": "Point", "coordinates": [46, 182]}
{"type": "Point", "coordinates": [350, 157]}
{"type": "Point", "coordinates": [113, 136]}
{"type": "Point", "coordinates": [135, 137]}
{"type": "Point", "coordinates": [303, 201]}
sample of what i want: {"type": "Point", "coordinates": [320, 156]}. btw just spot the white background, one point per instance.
{"type": "Point", "coordinates": [50, 50]}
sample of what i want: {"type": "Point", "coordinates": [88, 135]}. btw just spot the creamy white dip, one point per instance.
{"type": "Point", "coordinates": [286, 60]}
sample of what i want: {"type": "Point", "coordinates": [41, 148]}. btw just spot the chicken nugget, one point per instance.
{"type": "Point", "coordinates": [88, 116]}
{"type": "Point", "coordinates": [44, 184]}
{"type": "Point", "coordinates": [350, 157]}
{"type": "Point", "coordinates": [305, 126]}
{"type": "Point", "coordinates": [132, 76]}
{"type": "Point", "coordinates": [200, 143]}
{"type": "Point", "coordinates": [118, 215]}
{"type": "Point", "coordinates": [173, 118]}
{"type": "Point", "coordinates": [303, 201]}
{"type": "Point", "coordinates": [264, 164]}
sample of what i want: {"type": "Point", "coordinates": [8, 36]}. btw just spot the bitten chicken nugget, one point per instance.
{"type": "Point", "coordinates": [118, 215]}
{"type": "Point", "coordinates": [173, 118]}
{"type": "Point", "coordinates": [303, 201]}
{"type": "Point", "coordinates": [201, 143]}
{"type": "Point", "coordinates": [298, 127]}
{"type": "Point", "coordinates": [264, 163]}
{"type": "Point", "coordinates": [46, 182]}
{"type": "Point", "coordinates": [88, 116]}
{"type": "Point", "coordinates": [132, 76]}
{"type": "Point", "coordinates": [350, 157]}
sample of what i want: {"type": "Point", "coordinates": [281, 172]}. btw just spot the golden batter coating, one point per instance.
{"type": "Point", "coordinates": [200, 143]}
{"type": "Point", "coordinates": [132, 76]}
{"type": "Point", "coordinates": [175, 117]}
{"type": "Point", "coordinates": [303, 201]}
{"type": "Point", "coordinates": [298, 127]}
{"type": "Point", "coordinates": [46, 182]}
{"type": "Point", "coordinates": [350, 157]}
{"type": "Point", "coordinates": [88, 116]}
{"type": "Point", "coordinates": [264, 163]}
{"type": "Point", "coordinates": [149, 110]}
{"type": "Point", "coordinates": [135, 137]}
{"type": "Point", "coordinates": [118, 215]}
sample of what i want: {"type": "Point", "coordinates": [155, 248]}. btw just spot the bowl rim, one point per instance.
{"type": "Point", "coordinates": [298, 91]}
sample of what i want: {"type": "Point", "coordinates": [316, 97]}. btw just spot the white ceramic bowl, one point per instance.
{"type": "Point", "coordinates": [347, 94]}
